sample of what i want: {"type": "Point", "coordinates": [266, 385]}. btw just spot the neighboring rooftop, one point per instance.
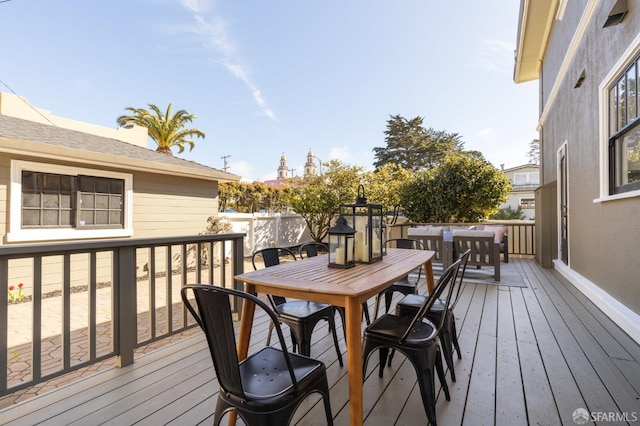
{"type": "Point", "coordinates": [48, 136]}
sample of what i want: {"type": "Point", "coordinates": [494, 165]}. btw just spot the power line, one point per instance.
{"type": "Point", "coordinates": [23, 99]}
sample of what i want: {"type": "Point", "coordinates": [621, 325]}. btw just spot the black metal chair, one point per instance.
{"type": "Point", "coordinates": [417, 338]}
{"type": "Point", "coordinates": [404, 285]}
{"type": "Point", "coordinates": [311, 249]}
{"type": "Point", "coordinates": [267, 387]}
{"type": "Point", "coordinates": [300, 315]}
{"type": "Point", "coordinates": [448, 335]}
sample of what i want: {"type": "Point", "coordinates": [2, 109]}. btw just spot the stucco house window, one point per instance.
{"type": "Point", "coordinates": [51, 202]}
{"type": "Point", "coordinates": [624, 131]}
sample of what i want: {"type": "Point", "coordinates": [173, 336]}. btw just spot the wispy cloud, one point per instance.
{"type": "Point", "coordinates": [487, 134]}
{"type": "Point", "coordinates": [493, 55]}
{"type": "Point", "coordinates": [340, 153]}
{"type": "Point", "coordinates": [214, 36]}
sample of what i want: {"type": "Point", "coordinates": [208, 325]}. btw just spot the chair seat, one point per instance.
{"type": "Point", "coordinates": [402, 284]}
{"type": "Point", "coordinates": [410, 304]}
{"type": "Point", "coordinates": [301, 309]}
{"type": "Point", "coordinates": [390, 328]}
{"type": "Point", "coordinates": [275, 382]}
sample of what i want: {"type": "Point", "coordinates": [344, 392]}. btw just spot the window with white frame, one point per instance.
{"type": "Point", "coordinates": [624, 131]}
{"type": "Point", "coordinates": [528, 203]}
{"type": "Point", "coordinates": [522, 179]}
{"type": "Point", "coordinates": [50, 202]}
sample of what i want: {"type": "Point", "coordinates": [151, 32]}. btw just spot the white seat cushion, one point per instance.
{"type": "Point", "coordinates": [430, 231]}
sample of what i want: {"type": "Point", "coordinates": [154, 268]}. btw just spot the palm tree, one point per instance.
{"type": "Point", "coordinates": [166, 130]}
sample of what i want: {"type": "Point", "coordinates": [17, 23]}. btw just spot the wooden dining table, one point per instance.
{"type": "Point", "coordinates": [312, 279]}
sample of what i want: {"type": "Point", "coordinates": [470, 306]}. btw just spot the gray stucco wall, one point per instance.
{"type": "Point", "coordinates": [604, 237]}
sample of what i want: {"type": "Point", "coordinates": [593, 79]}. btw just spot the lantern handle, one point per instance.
{"type": "Point", "coordinates": [361, 199]}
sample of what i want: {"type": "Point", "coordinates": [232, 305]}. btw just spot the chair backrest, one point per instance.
{"type": "Point", "coordinates": [445, 282]}
{"type": "Point", "coordinates": [405, 243]}
{"type": "Point", "coordinates": [216, 321]}
{"type": "Point", "coordinates": [270, 257]}
{"type": "Point", "coordinates": [481, 243]}
{"type": "Point", "coordinates": [311, 249]}
{"type": "Point", "coordinates": [464, 257]}
{"type": "Point", "coordinates": [432, 238]}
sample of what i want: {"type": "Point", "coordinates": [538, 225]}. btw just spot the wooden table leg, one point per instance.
{"type": "Point", "coordinates": [354, 360]}
{"type": "Point", "coordinates": [428, 272]}
{"type": "Point", "coordinates": [246, 323]}
{"type": "Point", "coordinates": [244, 334]}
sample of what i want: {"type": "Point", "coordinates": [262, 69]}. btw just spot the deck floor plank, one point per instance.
{"type": "Point", "coordinates": [468, 314]}
{"type": "Point", "coordinates": [510, 405]}
{"type": "Point", "coordinates": [541, 407]}
{"type": "Point", "coordinates": [609, 391]}
{"type": "Point", "coordinates": [481, 396]}
{"type": "Point", "coordinates": [530, 355]}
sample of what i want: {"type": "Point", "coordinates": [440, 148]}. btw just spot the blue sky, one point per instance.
{"type": "Point", "coordinates": [272, 77]}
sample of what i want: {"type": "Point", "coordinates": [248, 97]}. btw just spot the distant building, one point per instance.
{"type": "Point", "coordinates": [61, 179]}
{"type": "Point", "coordinates": [283, 169]}
{"type": "Point", "coordinates": [285, 174]}
{"type": "Point", "coordinates": [524, 179]}
{"type": "Point", "coordinates": [310, 165]}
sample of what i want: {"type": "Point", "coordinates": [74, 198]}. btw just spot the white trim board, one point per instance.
{"type": "Point", "coordinates": [624, 317]}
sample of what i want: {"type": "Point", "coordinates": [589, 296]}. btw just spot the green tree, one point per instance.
{"type": "Point", "coordinates": [165, 129]}
{"type": "Point", "coordinates": [509, 213]}
{"type": "Point", "coordinates": [277, 199]}
{"type": "Point", "coordinates": [383, 187]}
{"type": "Point", "coordinates": [318, 198]}
{"type": "Point", "coordinates": [227, 193]}
{"type": "Point", "coordinates": [414, 147]}
{"type": "Point", "coordinates": [252, 197]}
{"type": "Point", "coordinates": [534, 152]}
{"type": "Point", "coordinates": [463, 189]}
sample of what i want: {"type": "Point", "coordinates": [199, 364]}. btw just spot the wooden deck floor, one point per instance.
{"type": "Point", "coordinates": [531, 355]}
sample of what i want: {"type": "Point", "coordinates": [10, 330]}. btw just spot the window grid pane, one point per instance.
{"type": "Point", "coordinates": [622, 101]}
{"type": "Point", "coordinates": [631, 94]}
{"type": "Point", "coordinates": [624, 131]}
{"type": "Point", "coordinates": [98, 208]}
{"type": "Point", "coordinates": [52, 200]}
{"type": "Point", "coordinates": [613, 112]}
{"type": "Point", "coordinates": [46, 200]}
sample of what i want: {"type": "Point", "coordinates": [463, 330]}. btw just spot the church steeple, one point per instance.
{"type": "Point", "coordinates": [310, 165]}
{"type": "Point", "coordinates": [283, 170]}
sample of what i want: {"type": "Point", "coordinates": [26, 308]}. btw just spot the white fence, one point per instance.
{"type": "Point", "coordinates": [268, 229]}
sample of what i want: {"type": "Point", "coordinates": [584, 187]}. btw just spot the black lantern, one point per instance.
{"type": "Point", "coordinates": [368, 223]}
{"type": "Point", "coordinates": [341, 245]}
{"type": "Point", "coordinates": [384, 238]}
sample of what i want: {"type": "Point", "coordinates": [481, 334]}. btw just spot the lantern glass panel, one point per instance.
{"type": "Point", "coordinates": [341, 244]}
{"type": "Point", "coordinates": [366, 219]}
{"type": "Point", "coordinates": [337, 248]}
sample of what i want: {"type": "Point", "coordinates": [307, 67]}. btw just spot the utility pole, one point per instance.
{"type": "Point", "coordinates": [224, 158]}
{"type": "Point", "coordinates": [292, 171]}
